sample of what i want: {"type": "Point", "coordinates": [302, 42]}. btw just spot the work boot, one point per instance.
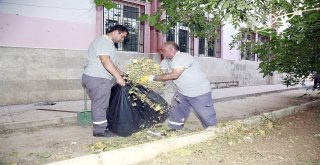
{"type": "Point", "coordinates": [210, 128]}
{"type": "Point", "coordinates": [106, 133]}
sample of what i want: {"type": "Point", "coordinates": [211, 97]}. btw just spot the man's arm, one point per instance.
{"type": "Point", "coordinates": [120, 71]}
{"type": "Point", "coordinates": [108, 64]}
{"type": "Point", "coordinates": [176, 72]}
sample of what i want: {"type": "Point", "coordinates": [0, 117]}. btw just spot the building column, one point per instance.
{"type": "Point", "coordinates": [99, 21]}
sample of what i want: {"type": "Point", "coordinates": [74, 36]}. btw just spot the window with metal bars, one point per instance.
{"type": "Point", "coordinates": [206, 48]}
{"type": "Point", "coordinates": [262, 40]}
{"type": "Point", "coordinates": [247, 40]}
{"type": "Point", "coordinates": [210, 48]}
{"type": "Point", "coordinates": [180, 34]}
{"type": "Point", "coordinates": [127, 15]}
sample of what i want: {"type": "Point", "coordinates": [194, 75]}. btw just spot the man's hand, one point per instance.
{"type": "Point", "coordinates": [109, 66]}
{"type": "Point", "coordinates": [151, 77]}
{"type": "Point", "coordinates": [121, 81]}
{"type": "Point", "coordinates": [144, 79]}
{"type": "Point", "coordinates": [122, 73]}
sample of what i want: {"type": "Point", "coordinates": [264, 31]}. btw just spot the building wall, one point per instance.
{"type": "Point", "coordinates": [43, 46]}
{"type": "Point", "coordinates": [246, 73]}
{"type": "Point", "coordinates": [57, 24]}
{"type": "Point", "coordinates": [30, 75]}
{"type": "Point", "coordinates": [227, 53]}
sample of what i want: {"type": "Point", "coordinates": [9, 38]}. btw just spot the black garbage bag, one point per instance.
{"type": "Point", "coordinates": [129, 112]}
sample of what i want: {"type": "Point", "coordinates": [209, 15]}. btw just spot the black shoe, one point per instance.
{"type": "Point", "coordinates": [174, 130]}
{"type": "Point", "coordinates": [106, 133]}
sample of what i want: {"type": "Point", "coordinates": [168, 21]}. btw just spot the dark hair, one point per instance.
{"type": "Point", "coordinates": [173, 44]}
{"type": "Point", "coordinates": [120, 28]}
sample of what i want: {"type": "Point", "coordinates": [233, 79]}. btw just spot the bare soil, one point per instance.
{"type": "Point", "coordinates": [294, 140]}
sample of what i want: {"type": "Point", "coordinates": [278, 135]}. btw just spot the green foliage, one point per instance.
{"type": "Point", "coordinates": [143, 17]}
{"type": "Point", "coordinates": [294, 51]}
{"type": "Point", "coordinates": [108, 4]}
{"type": "Point", "coordinates": [202, 17]}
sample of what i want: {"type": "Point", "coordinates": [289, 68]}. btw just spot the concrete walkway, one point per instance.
{"type": "Point", "coordinates": [25, 116]}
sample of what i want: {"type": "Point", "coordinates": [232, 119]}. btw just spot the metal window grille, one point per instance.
{"type": "Point", "coordinates": [181, 35]}
{"type": "Point", "coordinates": [246, 46]}
{"type": "Point", "coordinates": [170, 35]}
{"type": "Point", "coordinates": [181, 38]}
{"type": "Point", "coordinates": [202, 46]}
{"type": "Point", "coordinates": [127, 15]}
{"type": "Point", "coordinates": [211, 51]}
{"type": "Point", "coordinates": [262, 40]}
{"type": "Point", "coordinates": [210, 48]}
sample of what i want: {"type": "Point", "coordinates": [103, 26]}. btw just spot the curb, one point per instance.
{"type": "Point", "coordinates": [147, 151]}
{"type": "Point", "coordinates": [73, 119]}
{"type": "Point", "coordinates": [253, 94]}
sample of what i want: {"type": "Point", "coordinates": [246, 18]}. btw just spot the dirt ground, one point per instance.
{"type": "Point", "coordinates": [294, 140]}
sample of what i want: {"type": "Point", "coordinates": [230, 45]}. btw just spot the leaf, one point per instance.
{"type": "Point", "coordinates": [158, 107]}
{"type": "Point", "coordinates": [160, 27]}
{"type": "Point", "coordinates": [110, 5]}
{"type": "Point", "coordinates": [98, 2]}
{"type": "Point", "coordinates": [14, 154]}
{"type": "Point", "coordinates": [153, 19]}
{"type": "Point", "coordinates": [143, 17]}
{"type": "Point", "coordinates": [226, 5]}
{"type": "Point", "coordinates": [44, 155]}
{"type": "Point", "coordinates": [269, 125]}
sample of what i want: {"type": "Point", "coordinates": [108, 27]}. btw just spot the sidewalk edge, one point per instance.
{"type": "Point", "coordinates": [253, 94]}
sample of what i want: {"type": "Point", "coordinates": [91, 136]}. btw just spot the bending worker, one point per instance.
{"type": "Point", "coordinates": [100, 74]}
{"type": "Point", "coordinates": [193, 87]}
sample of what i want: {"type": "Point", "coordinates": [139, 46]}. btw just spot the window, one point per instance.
{"type": "Point", "coordinates": [247, 40]}
{"type": "Point", "coordinates": [127, 15]}
{"type": "Point", "coordinates": [202, 46]}
{"type": "Point", "coordinates": [211, 52]}
{"type": "Point", "coordinates": [262, 40]}
{"type": "Point", "coordinates": [210, 48]}
{"type": "Point", "coordinates": [183, 40]}
{"type": "Point", "coordinates": [170, 35]}
{"type": "Point", "coordinates": [182, 37]}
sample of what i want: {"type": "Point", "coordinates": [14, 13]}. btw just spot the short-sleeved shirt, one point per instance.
{"type": "Point", "coordinates": [193, 81]}
{"type": "Point", "coordinates": [100, 46]}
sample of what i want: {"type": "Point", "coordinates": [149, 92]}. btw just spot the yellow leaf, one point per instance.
{"type": "Point", "coordinates": [158, 108]}
{"type": "Point", "coordinates": [269, 125]}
